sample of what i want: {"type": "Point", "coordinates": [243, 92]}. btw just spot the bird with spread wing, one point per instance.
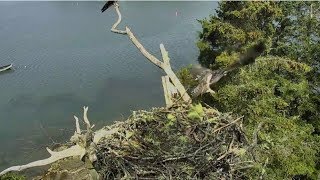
{"type": "Point", "coordinates": [209, 77]}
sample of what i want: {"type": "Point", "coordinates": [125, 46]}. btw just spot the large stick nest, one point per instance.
{"type": "Point", "coordinates": [185, 142]}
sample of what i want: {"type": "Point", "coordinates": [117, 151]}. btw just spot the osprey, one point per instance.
{"type": "Point", "coordinates": [208, 77]}
{"type": "Point", "coordinates": [107, 5]}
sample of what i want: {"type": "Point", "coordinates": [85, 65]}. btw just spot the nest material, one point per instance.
{"type": "Point", "coordinates": [185, 142]}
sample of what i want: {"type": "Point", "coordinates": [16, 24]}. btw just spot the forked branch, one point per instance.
{"type": "Point", "coordinates": [165, 64]}
{"type": "Point", "coordinates": [73, 151]}
{"type": "Point", "coordinates": [84, 145]}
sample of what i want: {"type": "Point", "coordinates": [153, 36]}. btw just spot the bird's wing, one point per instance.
{"type": "Point", "coordinates": [249, 56]}
{"type": "Point", "coordinates": [107, 5]}
{"type": "Point", "coordinates": [198, 90]}
{"type": "Point", "coordinates": [199, 71]}
{"type": "Point", "coordinates": [203, 86]}
{"type": "Point", "coordinates": [252, 53]}
{"type": "Point", "coordinates": [217, 75]}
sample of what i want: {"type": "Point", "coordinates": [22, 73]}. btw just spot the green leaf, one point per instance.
{"type": "Point", "coordinates": [171, 117]}
{"type": "Point", "coordinates": [129, 134]}
{"type": "Point", "coordinates": [193, 115]}
{"type": "Point", "coordinates": [240, 151]}
{"type": "Point", "coordinates": [199, 109]}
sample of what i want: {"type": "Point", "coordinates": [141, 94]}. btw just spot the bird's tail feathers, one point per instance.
{"type": "Point", "coordinates": [249, 56]}
{"type": "Point", "coordinates": [252, 53]}
{"type": "Point", "coordinates": [198, 71]}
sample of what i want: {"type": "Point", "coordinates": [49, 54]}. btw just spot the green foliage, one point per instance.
{"type": "Point", "coordinates": [11, 176]}
{"type": "Point", "coordinates": [236, 26]}
{"type": "Point", "coordinates": [196, 112]}
{"type": "Point", "coordinates": [292, 29]}
{"type": "Point", "coordinates": [278, 90]}
{"type": "Point", "coordinates": [186, 78]}
{"type": "Point", "coordinates": [275, 91]}
{"type": "Point", "coordinates": [297, 32]}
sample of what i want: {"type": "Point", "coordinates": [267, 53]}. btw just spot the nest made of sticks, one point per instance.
{"type": "Point", "coordinates": [184, 142]}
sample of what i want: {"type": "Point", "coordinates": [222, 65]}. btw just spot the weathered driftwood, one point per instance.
{"type": "Point", "coordinates": [165, 65]}
{"type": "Point", "coordinates": [166, 90]}
{"type": "Point", "coordinates": [176, 85]}
{"type": "Point", "coordinates": [170, 91]}
{"type": "Point", "coordinates": [75, 150]}
{"type": "Point", "coordinates": [84, 145]}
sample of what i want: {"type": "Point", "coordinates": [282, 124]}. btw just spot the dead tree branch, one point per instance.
{"type": "Point", "coordinates": [84, 146]}
{"type": "Point", "coordinates": [113, 29]}
{"type": "Point", "coordinates": [168, 90]}
{"type": "Point", "coordinates": [149, 56]}
{"type": "Point", "coordinates": [75, 150]}
{"type": "Point", "coordinates": [165, 65]}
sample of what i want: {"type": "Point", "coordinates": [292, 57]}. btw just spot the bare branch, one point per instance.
{"type": "Point", "coordinates": [165, 65]}
{"type": "Point", "coordinates": [77, 125]}
{"type": "Point", "coordinates": [175, 80]}
{"type": "Point", "coordinates": [113, 29]}
{"type": "Point", "coordinates": [75, 150]}
{"type": "Point", "coordinates": [85, 117]}
{"type": "Point", "coordinates": [165, 56]}
{"type": "Point", "coordinates": [172, 89]}
{"type": "Point", "coordinates": [167, 93]}
{"type": "Point", "coordinates": [216, 130]}
{"type": "Point", "coordinates": [85, 145]}
{"type": "Point", "coordinates": [149, 56]}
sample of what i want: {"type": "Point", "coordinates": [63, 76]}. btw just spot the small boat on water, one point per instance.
{"type": "Point", "coordinates": [5, 68]}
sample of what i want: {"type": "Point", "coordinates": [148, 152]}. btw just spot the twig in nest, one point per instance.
{"type": "Point", "coordinates": [230, 150]}
{"type": "Point", "coordinates": [216, 130]}
{"type": "Point", "coordinates": [255, 135]}
{"type": "Point", "coordinates": [177, 158]}
{"type": "Point", "coordinates": [264, 166]}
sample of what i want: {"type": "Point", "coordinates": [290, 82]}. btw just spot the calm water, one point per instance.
{"type": "Point", "coordinates": [65, 57]}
